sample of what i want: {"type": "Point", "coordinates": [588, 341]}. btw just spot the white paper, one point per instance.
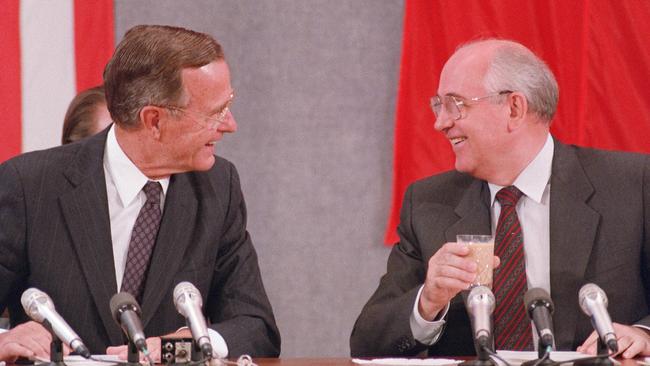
{"type": "Point", "coordinates": [406, 361]}
{"type": "Point", "coordinates": [80, 361]}
{"type": "Point", "coordinates": [519, 357]}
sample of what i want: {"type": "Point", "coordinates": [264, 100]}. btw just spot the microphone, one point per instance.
{"type": "Point", "coordinates": [126, 312]}
{"type": "Point", "coordinates": [480, 305]}
{"type": "Point", "coordinates": [188, 302]}
{"type": "Point", "coordinates": [40, 308]}
{"type": "Point", "coordinates": [593, 302]}
{"type": "Point", "coordinates": [540, 308]}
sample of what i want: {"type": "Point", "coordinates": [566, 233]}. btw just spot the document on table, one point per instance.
{"type": "Point", "coordinates": [519, 357]}
{"type": "Point", "coordinates": [407, 361]}
{"type": "Point", "coordinates": [98, 360]}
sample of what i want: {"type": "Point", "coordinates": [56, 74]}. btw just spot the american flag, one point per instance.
{"type": "Point", "coordinates": [51, 49]}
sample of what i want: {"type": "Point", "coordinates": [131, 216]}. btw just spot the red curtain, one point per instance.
{"type": "Point", "coordinates": [598, 50]}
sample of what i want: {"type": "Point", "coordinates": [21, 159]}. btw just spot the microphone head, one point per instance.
{"type": "Point", "coordinates": [31, 299]}
{"type": "Point", "coordinates": [121, 300]}
{"type": "Point", "coordinates": [480, 295]}
{"type": "Point", "coordinates": [538, 296]}
{"type": "Point", "coordinates": [591, 293]}
{"type": "Point", "coordinates": [186, 292]}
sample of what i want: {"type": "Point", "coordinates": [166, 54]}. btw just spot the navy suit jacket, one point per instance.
{"type": "Point", "coordinates": [55, 236]}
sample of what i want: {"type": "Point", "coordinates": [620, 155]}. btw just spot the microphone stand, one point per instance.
{"type": "Point", "coordinates": [133, 357]}
{"type": "Point", "coordinates": [482, 356]}
{"type": "Point", "coordinates": [601, 349]}
{"type": "Point", "coordinates": [197, 354]}
{"type": "Point", "coordinates": [541, 360]}
{"type": "Point", "coordinates": [56, 348]}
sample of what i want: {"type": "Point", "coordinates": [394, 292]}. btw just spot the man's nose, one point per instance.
{"type": "Point", "coordinates": [444, 121]}
{"type": "Point", "coordinates": [229, 124]}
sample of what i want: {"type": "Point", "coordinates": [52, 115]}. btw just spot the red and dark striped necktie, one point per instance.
{"type": "Point", "coordinates": [512, 328]}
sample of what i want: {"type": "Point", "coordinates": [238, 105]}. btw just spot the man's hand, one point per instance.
{"type": "Point", "coordinates": [28, 340]}
{"type": "Point", "coordinates": [153, 346]}
{"type": "Point", "coordinates": [632, 341]}
{"type": "Point", "coordinates": [450, 271]}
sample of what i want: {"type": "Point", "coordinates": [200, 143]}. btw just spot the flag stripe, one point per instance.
{"type": "Point", "coordinates": [94, 40]}
{"type": "Point", "coordinates": [48, 70]}
{"type": "Point", "coordinates": [10, 131]}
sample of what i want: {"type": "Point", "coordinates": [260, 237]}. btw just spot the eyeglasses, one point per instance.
{"type": "Point", "coordinates": [455, 106]}
{"type": "Point", "coordinates": [211, 122]}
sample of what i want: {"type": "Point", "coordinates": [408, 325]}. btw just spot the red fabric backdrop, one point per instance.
{"type": "Point", "coordinates": [599, 51]}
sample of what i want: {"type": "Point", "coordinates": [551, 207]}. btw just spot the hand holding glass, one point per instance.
{"type": "Point", "coordinates": [481, 251]}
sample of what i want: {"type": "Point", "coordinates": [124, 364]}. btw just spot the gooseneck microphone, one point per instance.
{"type": "Point", "coordinates": [126, 312]}
{"type": "Point", "coordinates": [39, 306]}
{"type": "Point", "coordinates": [480, 305]}
{"type": "Point", "coordinates": [540, 308]}
{"type": "Point", "coordinates": [188, 302]}
{"type": "Point", "coordinates": [593, 302]}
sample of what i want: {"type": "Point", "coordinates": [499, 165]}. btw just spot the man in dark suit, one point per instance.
{"type": "Point", "coordinates": [67, 214]}
{"type": "Point", "coordinates": [584, 215]}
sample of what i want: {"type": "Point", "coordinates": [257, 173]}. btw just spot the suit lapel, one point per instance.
{"type": "Point", "coordinates": [85, 211]}
{"type": "Point", "coordinates": [174, 236]}
{"type": "Point", "coordinates": [573, 227]}
{"type": "Point", "coordinates": [473, 211]}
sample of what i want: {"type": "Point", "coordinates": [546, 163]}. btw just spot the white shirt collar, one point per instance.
{"type": "Point", "coordinates": [126, 176]}
{"type": "Point", "coordinates": [533, 179]}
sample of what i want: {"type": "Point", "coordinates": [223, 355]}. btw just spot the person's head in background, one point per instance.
{"type": "Point", "coordinates": [86, 115]}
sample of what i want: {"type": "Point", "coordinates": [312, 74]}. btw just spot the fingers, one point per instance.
{"type": "Point", "coordinates": [450, 268]}
{"type": "Point", "coordinates": [497, 261]}
{"type": "Point", "coordinates": [26, 340]}
{"type": "Point", "coordinates": [153, 346]}
{"type": "Point", "coordinates": [632, 341]}
{"type": "Point", "coordinates": [10, 351]}
{"type": "Point", "coordinates": [449, 271]}
{"type": "Point", "coordinates": [589, 345]}
{"type": "Point", "coordinates": [120, 351]}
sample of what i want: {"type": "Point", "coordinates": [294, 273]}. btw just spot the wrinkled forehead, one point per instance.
{"type": "Point", "coordinates": [464, 72]}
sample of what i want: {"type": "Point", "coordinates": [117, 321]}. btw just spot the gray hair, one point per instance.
{"type": "Point", "coordinates": [516, 68]}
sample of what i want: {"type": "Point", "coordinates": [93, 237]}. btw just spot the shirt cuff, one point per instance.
{"type": "Point", "coordinates": [424, 331]}
{"type": "Point", "coordinates": [219, 346]}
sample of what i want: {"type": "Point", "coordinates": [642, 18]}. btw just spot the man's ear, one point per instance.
{"type": "Point", "coordinates": [518, 107]}
{"type": "Point", "coordinates": [151, 119]}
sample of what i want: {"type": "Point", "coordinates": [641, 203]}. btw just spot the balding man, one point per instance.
{"type": "Point", "coordinates": [582, 215]}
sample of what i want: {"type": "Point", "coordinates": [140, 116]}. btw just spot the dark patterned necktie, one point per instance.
{"type": "Point", "coordinates": [143, 239]}
{"type": "Point", "coordinates": [512, 328]}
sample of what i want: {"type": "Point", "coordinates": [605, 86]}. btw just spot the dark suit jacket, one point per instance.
{"type": "Point", "coordinates": [55, 236]}
{"type": "Point", "coordinates": [600, 233]}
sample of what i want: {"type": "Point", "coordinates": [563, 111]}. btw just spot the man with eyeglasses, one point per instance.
{"type": "Point", "coordinates": [138, 208]}
{"type": "Point", "coordinates": [572, 216]}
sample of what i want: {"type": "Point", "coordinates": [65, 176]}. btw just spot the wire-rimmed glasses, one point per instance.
{"type": "Point", "coordinates": [211, 122]}
{"type": "Point", "coordinates": [454, 106]}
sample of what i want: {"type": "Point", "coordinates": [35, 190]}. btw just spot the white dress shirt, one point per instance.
{"type": "Point", "coordinates": [533, 210]}
{"type": "Point", "coordinates": [124, 183]}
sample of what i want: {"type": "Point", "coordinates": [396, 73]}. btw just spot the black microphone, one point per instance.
{"type": "Point", "coordinates": [188, 302]}
{"type": "Point", "coordinates": [480, 305]}
{"type": "Point", "coordinates": [126, 312]}
{"type": "Point", "coordinates": [540, 308]}
{"type": "Point", "coordinates": [593, 302]}
{"type": "Point", "coordinates": [40, 308]}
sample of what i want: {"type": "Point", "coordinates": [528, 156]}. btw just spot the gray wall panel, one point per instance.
{"type": "Point", "coordinates": [316, 83]}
